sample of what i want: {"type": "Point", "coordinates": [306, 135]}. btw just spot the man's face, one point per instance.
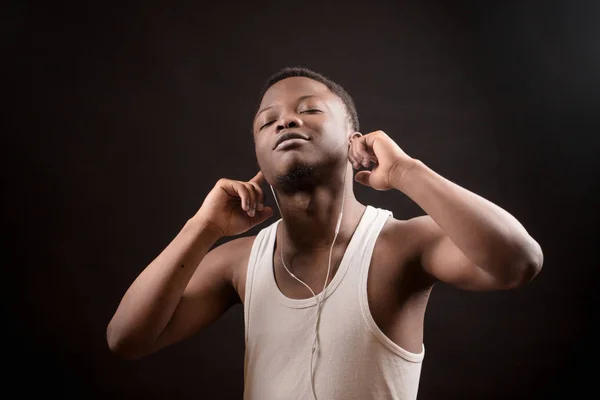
{"type": "Point", "coordinates": [305, 107]}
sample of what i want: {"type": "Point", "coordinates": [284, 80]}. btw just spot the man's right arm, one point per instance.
{"type": "Point", "coordinates": [187, 286]}
{"type": "Point", "coordinates": [148, 317]}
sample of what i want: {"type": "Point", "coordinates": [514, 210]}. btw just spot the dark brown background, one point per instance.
{"type": "Point", "coordinates": [120, 119]}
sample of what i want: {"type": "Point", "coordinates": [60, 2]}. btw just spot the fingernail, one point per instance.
{"type": "Point", "coordinates": [260, 207]}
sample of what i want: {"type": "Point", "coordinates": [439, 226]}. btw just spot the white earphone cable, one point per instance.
{"type": "Point", "coordinates": [322, 294]}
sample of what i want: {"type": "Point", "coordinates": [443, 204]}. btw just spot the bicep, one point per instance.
{"type": "Point", "coordinates": [445, 262]}
{"type": "Point", "coordinates": [208, 295]}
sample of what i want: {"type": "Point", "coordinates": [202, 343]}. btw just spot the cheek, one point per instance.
{"type": "Point", "coordinates": [262, 154]}
{"type": "Point", "coordinates": [333, 132]}
{"type": "Point", "coordinates": [259, 157]}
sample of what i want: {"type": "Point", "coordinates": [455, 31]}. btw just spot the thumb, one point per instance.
{"type": "Point", "coordinates": [363, 177]}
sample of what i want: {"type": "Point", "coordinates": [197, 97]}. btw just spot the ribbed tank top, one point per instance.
{"type": "Point", "coordinates": [354, 359]}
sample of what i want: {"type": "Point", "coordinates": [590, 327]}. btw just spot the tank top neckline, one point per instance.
{"type": "Point", "coordinates": [337, 278]}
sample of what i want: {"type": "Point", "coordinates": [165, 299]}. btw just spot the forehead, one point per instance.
{"type": "Point", "coordinates": [290, 89]}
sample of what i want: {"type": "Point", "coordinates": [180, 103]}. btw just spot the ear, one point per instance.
{"type": "Point", "coordinates": [354, 136]}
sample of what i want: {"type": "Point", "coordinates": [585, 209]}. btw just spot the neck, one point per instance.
{"type": "Point", "coordinates": [310, 216]}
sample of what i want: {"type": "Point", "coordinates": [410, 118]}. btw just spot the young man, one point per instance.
{"type": "Point", "coordinates": [362, 336]}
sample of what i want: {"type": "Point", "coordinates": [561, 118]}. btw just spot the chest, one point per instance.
{"type": "Point", "coordinates": [396, 290]}
{"type": "Point", "coordinates": [393, 274]}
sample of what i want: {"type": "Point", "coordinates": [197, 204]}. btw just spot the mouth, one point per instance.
{"type": "Point", "coordinates": [289, 138]}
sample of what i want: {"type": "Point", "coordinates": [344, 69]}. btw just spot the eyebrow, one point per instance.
{"type": "Point", "coordinates": [298, 100]}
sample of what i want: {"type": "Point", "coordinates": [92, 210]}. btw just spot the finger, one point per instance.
{"type": "Point", "coordinates": [260, 196]}
{"type": "Point", "coordinates": [243, 194]}
{"type": "Point", "coordinates": [251, 199]}
{"type": "Point", "coordinates": [262, 215]}
{"type": "Point", "coordinates": [355, 164]}
{"type": "Point", "coordinates": [363, 177]}
{"type": "Point", "coordinates": [363, 154]}
{"type": "Point", "coordinates": [257, 198]}
{"type": "Point", "coordinates": [352, 156]}
{"type": "Point", "coordinates": [258, 178]}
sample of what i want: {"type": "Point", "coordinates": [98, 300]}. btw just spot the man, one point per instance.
{"type": "Point", "coordinates": [362, 336]}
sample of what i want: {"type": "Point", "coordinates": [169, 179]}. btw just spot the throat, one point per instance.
{"type": "Point", "coordinates": [296, 267]}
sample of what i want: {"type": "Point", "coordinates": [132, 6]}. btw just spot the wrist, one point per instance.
{"type": "Point", "coordinates": [402, 170]}
{"type": "Point", "coordinates": [204, 226]}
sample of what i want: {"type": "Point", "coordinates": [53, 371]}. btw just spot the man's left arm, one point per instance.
{"type": "Point", "coordinates": [468, 241]}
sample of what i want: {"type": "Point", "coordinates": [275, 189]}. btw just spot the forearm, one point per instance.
{"type": "Point", "coordinates": [150, 301]}
{"type": "Point", "coordinates": [487, 234]}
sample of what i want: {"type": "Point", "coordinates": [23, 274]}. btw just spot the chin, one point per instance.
{"type": "Point", "coordinates": [298, 176]}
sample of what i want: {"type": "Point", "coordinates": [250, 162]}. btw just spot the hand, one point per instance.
{"type": "Point", "coordinates": [233, 207]}
{"type": "Point", "coordinates": [390, 161]}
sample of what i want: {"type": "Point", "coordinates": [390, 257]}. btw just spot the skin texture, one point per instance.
{"type": "Point", "coordinates": [463, 240]}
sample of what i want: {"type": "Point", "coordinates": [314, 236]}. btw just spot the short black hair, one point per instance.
{"type": "Point", "coordinates": [338, 90]}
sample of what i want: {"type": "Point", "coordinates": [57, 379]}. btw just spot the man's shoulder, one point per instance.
{"type": "Point", "coordinates": [407, 235]}
{"type": "Point", "coordinates": [237, 253]}
{"type": "Point", "coordinates": [237, 246]}
{"type": "Point", "coordinates": [415, 226]}
{"type": "Point", "coordinates": [241, 244]}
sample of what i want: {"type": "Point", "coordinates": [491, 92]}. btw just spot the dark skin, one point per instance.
{"type": "Point", "coordinates": [463, 240]}
{"type": "Point", "coordinates": [310, 214]}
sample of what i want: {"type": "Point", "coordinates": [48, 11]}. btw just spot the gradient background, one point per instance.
{"type": "Point", "coordinates": [120, 119]}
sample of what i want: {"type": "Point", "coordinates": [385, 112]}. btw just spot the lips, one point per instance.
{"type": "Point", "coordinates": [288, 136]}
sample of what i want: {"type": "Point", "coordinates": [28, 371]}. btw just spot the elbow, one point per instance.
{"type": "Point", "coordinates": [527, 267]}
{"type": "Point", "coordinates": [120, 345]}
{"type": "Point", "coordinates": [116, 343]}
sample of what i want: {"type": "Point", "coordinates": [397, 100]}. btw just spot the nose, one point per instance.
{"type": "Point", "coordinates": [289, 121]}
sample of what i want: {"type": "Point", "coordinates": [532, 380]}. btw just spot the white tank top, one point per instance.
{"type": "Point", "coordinates": [354, 359]}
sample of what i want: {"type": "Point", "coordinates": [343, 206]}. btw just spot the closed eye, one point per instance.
{"type": "Point", "coordinates": [311, 111]}
{"type": "Point", "coordinates": [267, 124]}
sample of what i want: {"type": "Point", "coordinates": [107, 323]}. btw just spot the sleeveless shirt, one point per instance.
{"type": "Point", "coordinates": [354, 358]}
